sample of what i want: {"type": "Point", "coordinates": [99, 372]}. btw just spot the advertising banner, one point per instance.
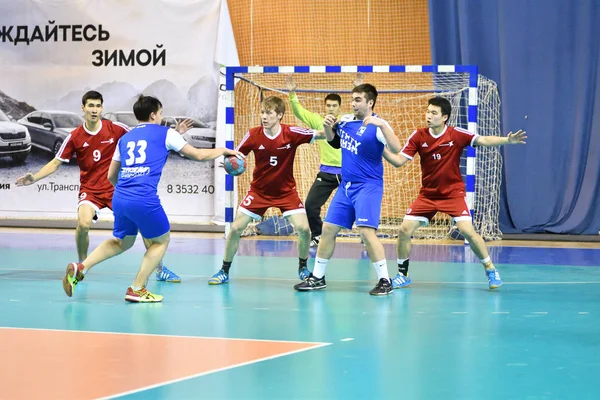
{"type": "Point", "coordinates": [52, 52]}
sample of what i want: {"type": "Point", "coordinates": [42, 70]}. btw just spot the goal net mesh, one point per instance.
{"type": "Point", "coordinates": [402, 101]}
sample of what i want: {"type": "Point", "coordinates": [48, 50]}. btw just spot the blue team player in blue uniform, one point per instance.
{"type": "Point", "coordinates": [362, 138]}
{"type": "Point", "coordinates": [135, 171]}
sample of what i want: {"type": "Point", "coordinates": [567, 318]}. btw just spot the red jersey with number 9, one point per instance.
{"type": "Point", "coordinates": [273, 174]}
{"type": "Point", "coordinates": [93, 152]}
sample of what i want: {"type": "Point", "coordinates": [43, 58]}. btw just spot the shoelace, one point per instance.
{"type": "Point", "coordinates": [143, 293]}
{"type": "Point", "coordinates": [221, 276]}
{"type": "Point", "coordinates": [312, 281]}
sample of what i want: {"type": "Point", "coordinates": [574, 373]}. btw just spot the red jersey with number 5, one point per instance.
{"type": "Point", "coordinates": [93, 152]}
{"type": "Point", "coordinates": [440, 160]}
{"type": "Point", "coordinates": [273, 174]}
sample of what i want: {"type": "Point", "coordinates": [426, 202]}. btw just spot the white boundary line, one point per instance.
{"type": "Point", "coordinates": [161, 335]}
{"type": "Point", "coordinates": [185, 378]}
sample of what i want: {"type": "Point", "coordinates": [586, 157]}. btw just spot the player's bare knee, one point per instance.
{"type": "Point", "coordinates": [329, 231]}
{"type": "Point", "coordinates": [367, 234]}
{"type": "Point", "coordinates": [236, 229]}
{"type": "Point", "coordinates": [83, 225]}
{"type": "Point", "coordinates": [405, 232]}
{"type": "Point", "coordinates": [471, 235]}
{"type": "Point", "coordinates": [302, 229]}
{"type": "Point", "coordinates": [467, 230]}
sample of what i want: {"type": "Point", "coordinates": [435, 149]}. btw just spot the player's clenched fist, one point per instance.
{"type": "Point", "coordinates": [330, 120]}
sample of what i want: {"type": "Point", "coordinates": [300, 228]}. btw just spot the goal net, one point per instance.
{"type": "Point", "coordinates": [402, 101]}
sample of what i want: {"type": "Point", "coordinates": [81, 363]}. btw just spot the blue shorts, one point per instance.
{"type": "Point", "coordinates": [356, 202]}
{"type": "Point", "coordinates": [133, 215]}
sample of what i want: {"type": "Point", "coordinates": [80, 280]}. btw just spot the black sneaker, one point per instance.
{"type": "Point", "coordinates": [311, 283]}
{"type": "Point", "coordinates": [383, 288]}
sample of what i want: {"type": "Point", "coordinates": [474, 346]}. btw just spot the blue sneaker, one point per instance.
{"type": "Point", "coordinates": [493, 278]}
{"type": "Point", "coordinates": [303, 273]}
{"type": "Point", "coordinates": [165, 275]}
{"type": "Point", "coordinates": [400, 281]}
{"type": "Point", "coordinates": [219, 278]}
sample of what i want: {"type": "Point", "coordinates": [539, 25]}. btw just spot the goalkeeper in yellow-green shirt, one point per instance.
{"type": "Point", "coordinates": [330, 170]}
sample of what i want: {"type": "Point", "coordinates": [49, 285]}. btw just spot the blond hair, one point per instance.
{"type": "Point", "coordinates": [274, 103]}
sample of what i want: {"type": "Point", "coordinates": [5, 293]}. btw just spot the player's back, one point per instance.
{"type": "Point", "coordinates": [362, 150]}
{"type": "Point", "coordinates": [143, 153]}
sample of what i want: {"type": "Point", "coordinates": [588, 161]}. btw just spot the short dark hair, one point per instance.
{"type": "Point", "coordinates": [334, 97]}
{"type": "Point", "coordinates": [92, 95]}
{"type": "Point", "coordinates": [442, 103]}
{"type": "Point", "coordinates": [369, 90]}
{"type": "Point", "coordinates": [144, 106]}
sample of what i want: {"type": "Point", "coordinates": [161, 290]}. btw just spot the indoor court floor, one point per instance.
{"type": "Point", "coordinates": [446, 337]}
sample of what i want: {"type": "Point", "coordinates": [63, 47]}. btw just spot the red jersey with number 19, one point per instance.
{"type": "Point", "coordinates": [94, 152]}
{"type": "Point", "coordinates": [273, 174]}
{"type": "Point", "coordinates": [440, 160]}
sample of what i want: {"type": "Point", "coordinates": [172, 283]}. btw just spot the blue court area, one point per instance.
{"type": "Point", "coordinates": [447, 337]}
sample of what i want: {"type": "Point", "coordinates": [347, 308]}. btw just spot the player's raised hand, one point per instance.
{"type": "Point", "coordinates": [359, 80]}
{"type": "Point", "coordinates": [25, 180]}
{"type": "Point", "coordinates": [330, 120]}
{"type": "Point", "coordinates": [290, 84]}
{"type": "Point", "coordinates": [184, 126]}
{"type": "Point", "coordinates": [517, 138]}
{"type": "Point", "coordinates": [372, 120]}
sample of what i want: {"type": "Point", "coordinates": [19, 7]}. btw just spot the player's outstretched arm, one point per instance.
{"type": "Point", "coordinates": [313, 120]}
{"type": "Point", "coordinates": [48, 169]}
{"type": "Point", "coordinates": [512, 138]}
{"type": "Point", "coordinates": [208, 154]}
{"type": "Point", "coordinates": [397, 160]}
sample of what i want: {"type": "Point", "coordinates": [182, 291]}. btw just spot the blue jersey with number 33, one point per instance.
{"type": "Point", "coordinates": [143, 153]}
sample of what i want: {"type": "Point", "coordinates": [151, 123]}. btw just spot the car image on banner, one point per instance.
{"type": "Point", "coordinates": [124, 117]}
{"type": "Point", "coordinates": [49, 129]}
{"type": "Point", "coordinates": [201, 136]}
{"type": "Point", "coordinates": [15, 141]}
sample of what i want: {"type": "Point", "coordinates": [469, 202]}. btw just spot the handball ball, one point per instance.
{"type": "Point", "coordinates": [234, 165]}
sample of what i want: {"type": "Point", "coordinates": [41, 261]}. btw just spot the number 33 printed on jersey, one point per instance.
{"type": "Point", "coordinates": [133, 156]}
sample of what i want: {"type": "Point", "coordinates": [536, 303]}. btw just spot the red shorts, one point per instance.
{"type": "Point", "coordinates": [255, 204]}
{"type": "Point", "coordinates": [96, 200]}
{"type": "Point", "coordinates": [424, 209]}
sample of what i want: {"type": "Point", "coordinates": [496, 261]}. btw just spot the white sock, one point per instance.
{"type": "Point", "coordinates": [320, 267]}
{"type": "Point", "coordinates": [401, 260]}
{"type": "Point", "coordinates": [381, 269]}
{"type": "Point", "coordinates": [486, 261]}
{"type": "Point", "coordinates": [160, 265]}
{"type": "Point", "coordinates": [136, 288]}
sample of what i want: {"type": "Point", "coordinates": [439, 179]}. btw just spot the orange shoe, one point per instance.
{"type": "Point", "coordinates": [73, 276]}
{"type": "Point", "coordinates": [142, 296]}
